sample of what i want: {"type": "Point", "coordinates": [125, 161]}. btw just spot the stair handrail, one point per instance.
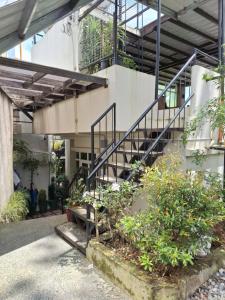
{"type": "Point", "coordinates": [142, 116]}
{"type": "Point", "coordinates": [111, 108]}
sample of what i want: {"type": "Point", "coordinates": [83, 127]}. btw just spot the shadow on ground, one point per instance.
{"type": "Point", "coordinates": [16, 235]}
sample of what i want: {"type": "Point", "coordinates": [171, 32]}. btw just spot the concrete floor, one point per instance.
{"type": "Point", "coordinates": [36, 264]}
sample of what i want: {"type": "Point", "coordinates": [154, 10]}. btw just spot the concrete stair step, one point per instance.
{"type": "Point", "coordinates": [73, 234]}
{"type": "Point", "coordinates": [81, 213]}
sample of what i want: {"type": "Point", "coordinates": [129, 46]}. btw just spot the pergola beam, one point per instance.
{"type": "Point", "coordinates": [20, 108]}
{"type": "Point", "coordinates": [37, 76]}
{"type": "Point", "coordinates": [27, 15]}
{"type": "Point", "coordinates": [50, 70]}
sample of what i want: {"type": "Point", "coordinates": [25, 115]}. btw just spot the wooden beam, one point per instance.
{"type": "Point", "coordinates": [18, 84]}
{"type": "Point", "coordinates": [13, 63]}
{"type": "Point", "coordinates": [27, 15]}
{"type": "Point", "coordinates": [20, 108]}
{"type": "Point", "coordinates": [34, 79]}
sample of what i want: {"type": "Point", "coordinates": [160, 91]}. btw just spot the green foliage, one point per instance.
{"type": "Point", "coordinates": [24, 156]}
{"type": "Point", "coordinates": [114, 202]}
{"type": "Point", "coordinates": [182, 208]}
{"type": "Point", "coordinates": [42, 196]}
{"type": "Point", "coordinates": [129, 63]}
{"type": "Point", "coordinates": [199, 156]}
{"type": "Point", "coordinates": [62, 187]}
{"type": "Point", "coordinates": [20, 151]}
{"type": "Point", "coordinates": [97, 43]}
{"type": "Point", "coordinates": [76, 194]}
{"type": "Point", "coordinates": [16, 208]}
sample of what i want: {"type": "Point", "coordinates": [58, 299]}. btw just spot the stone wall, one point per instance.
{"type": "Point", "coordinates": [6, 149]}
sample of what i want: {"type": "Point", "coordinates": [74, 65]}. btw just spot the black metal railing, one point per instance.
{"type": "Point", "coordinates": [163, 119]}
{"type": "Point", "coordinates": [106, 127]}
{"type": "Point", "coordinates": [103, 130]}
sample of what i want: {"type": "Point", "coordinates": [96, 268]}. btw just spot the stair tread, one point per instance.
{"type": "Point", "coordinates": [73, 234]}
{"type": "Point", "coordinates": [138, 151]}
{"type": "Point", "coordinates": [81, 213]}
{"type": "Point", "coordinates": [145, 139]}
{"type": "Point", "coordinates": [120, 165]}
{"type": "Point", "coordinates": [160, 129]}
{"type": "Point", "coordinates": [110, 179]}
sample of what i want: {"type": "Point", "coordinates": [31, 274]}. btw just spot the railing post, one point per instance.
{"type": "Point", "coordinates": [115, 33]}
{"type": "Point", "coordinates": [157, 48]}
{"type": "Point", "coordinates": [92, 147]}
{"type": "Point", "coordinates": [114, 123]}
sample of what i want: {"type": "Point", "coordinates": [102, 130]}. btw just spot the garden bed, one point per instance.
{"type": "Point", "coordinates": [141, 285]}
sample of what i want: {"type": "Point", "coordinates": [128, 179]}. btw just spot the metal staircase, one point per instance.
{"type": "Point", "coordinates": [144, 142]}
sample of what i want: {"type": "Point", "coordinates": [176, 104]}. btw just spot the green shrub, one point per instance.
{"type": "Point", "coordinates": [182, 211]}
{"type": "Point", "coordinates": [42, 201]}
{"type": "Point", "coordinates": [16, 209]}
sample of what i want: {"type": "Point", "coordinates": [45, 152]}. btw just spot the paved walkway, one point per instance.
{"type": "Point", "coordinates": [36, 264]}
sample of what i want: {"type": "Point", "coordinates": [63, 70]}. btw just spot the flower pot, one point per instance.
{"type": "Point", "coordinates": [104, 63]}
{"type": "Point", "coordinates": [69, 215]}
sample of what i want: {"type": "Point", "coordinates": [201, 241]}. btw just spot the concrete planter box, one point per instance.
{"type": "Point", "coordinates": [141, 286]}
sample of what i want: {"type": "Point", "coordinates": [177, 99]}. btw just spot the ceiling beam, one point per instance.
{"type": "Point", "coordinates": [149, 28]}
{"type": "Point", "coordinates": [134, 16]}
{"type": "Point", "coordinates": [205, 15]}
{"type": "Point", "coordinates": [51, 70]}
{"type": "Point", "coordinates": [27, 15]}
{"type": "Point", "coordinates": [192, 29]}
{"type": "Point", "coordinates": [192, 6]}
{"type": "Point", "coordinates": [178, 39]}
{"type": "Point", "coordinates": [89, 9]}
{"type": "Point", "coordinates": [144, 49]}
{"type": "Point", "coordinates": [164, 45]}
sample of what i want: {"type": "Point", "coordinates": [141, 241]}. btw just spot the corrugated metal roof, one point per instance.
{"type": "Point", "coordinates": [23, 18]}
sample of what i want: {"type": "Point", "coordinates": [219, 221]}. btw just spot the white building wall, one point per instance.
{"type": "Point", "coordinates": [6, 149]}
{"type": "Point", "coordinates": [132, 91]}
{"type": "Point", "coordinates": [58, 47]}
{"type": "Point", "coordinates": [203, 138]}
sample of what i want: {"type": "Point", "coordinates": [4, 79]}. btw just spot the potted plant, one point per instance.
{"type": "Point", "coordinates": [75, 198]}
{"type": "Point", "coordinates": [42, 201]}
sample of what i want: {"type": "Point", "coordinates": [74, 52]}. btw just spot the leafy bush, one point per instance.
{"type": "Point", "coordinates": [76, 194]}
{"type": "Point", "coordinates": [182, 211]}
{"type": "Point", "coordinates": [16, 209]}
{"type": "Point", "coordinates": [113, 203]}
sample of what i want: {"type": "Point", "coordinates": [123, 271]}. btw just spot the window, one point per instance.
{"type": "Point", "coordinates": [83, 156]}
{"type": "Point", "coordinates": [170, 96]}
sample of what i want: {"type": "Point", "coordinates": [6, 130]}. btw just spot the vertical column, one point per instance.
{"type": "Point", "coordinates": [157, 47]}
{"type": "Point", "coordinates": [115, 33]}
{"type": "Point", "coordinates": [221, 41]}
